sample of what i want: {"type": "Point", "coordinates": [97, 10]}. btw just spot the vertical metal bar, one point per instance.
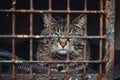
{"type": "Point", "coordinates": [13, 40]}
{"type": "Point", "coordinates": [85, 5]}
{"type": "Point", "coordinates": [110, 22]}
{"type": "Point", "coordinates": [31, 18]}
{"type": "Point", "coordinates": [68, 22]}
{"type": "Point", "coordinates": [50, 5]}
{"type": "Point", "coordinates": [31, 40]}
{"type": "Point", "coordinates": [85, 34]}
{"type": "Point", "coordinates": [101, 33]}
{"type": "Point", "coordinates": [49, 65]}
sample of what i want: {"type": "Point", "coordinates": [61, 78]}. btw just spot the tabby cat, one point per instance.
{"type": "Point", "coordinates": [62, 48]}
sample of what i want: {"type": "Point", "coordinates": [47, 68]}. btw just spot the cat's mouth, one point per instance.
{"type": "Point", "coordinates": [62, 51]}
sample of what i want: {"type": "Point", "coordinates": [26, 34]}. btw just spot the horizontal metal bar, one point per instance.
{"type": "Point", "coordinates": [52, 11]}
{"type": "Point", "coordinates": [46, 75]}
{"type": "Point", "coordinates": [54, 61]}
{"type": "Point", "coordinates": [42, 36]}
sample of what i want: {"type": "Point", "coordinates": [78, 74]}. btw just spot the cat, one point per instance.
{"type": "Point", "coordinates": [61, 47]}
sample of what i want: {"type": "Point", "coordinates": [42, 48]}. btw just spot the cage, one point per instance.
{"type": "Point", "coordinates": [23, 27]}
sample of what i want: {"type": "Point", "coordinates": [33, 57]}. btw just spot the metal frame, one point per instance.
{"type": "Point", "coordinates": [106, 9]}
{"type": "Point", "coordinates": [110, 23]}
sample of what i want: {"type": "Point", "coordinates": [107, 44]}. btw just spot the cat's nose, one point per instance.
{"type": "Point", "coordinates": [63, 42]}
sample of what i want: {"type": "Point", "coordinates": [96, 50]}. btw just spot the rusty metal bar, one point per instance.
{"type": "Point", "coordinates": [110, 22]}
{"type": "Point", "coordinates": [85, 34]}
{"type": "Point", "coordinates": [68, 16]}
{"type": "Point", "coordinates": [68, 22]}
{"type": "Point", "coordinates": [50, 17]}
{"type": "Point", "coordinates": [85, 5]}
{"type": "Point", "coordinates": [85, 48]}
{"type": "Point", "coordinates": [101, 34]}
{"type": "Point", "coordinates": [101, 42]}
{"type": "Point", "coordinates": [13, 40]}
{"type": "Point", "coordinates": [54, 11]}
{"type": "Point", "coordinates": [41, 36]}
{"type": "Point", "coordinates": [31, 40]}
{"type": "Point", "coordinates": [53, 61]}
{"type": "Point", "coordinates": [60, 74]}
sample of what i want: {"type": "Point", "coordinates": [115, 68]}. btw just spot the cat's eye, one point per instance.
{"type": "Point", "coordinates": [55, 35]}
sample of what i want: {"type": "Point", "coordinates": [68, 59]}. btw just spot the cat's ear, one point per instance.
{"type": "Point", "coordinates": [79, 22]}
{"type": "Point", "coordinates": [78, 25]}
{"type": "Point", "coordinates": [47, 21]}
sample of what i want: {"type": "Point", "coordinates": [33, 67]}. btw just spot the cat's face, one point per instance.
{"type": "Point", "coordinates": [62, 46]}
